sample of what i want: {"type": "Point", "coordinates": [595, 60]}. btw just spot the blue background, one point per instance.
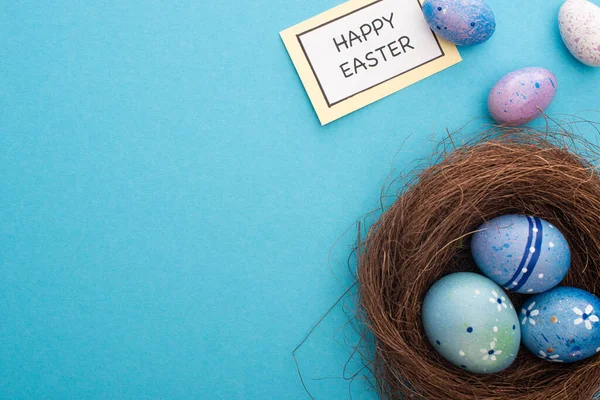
{"type": "Point", "coordinates": [170, 205]}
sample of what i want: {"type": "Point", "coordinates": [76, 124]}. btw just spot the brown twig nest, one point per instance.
{"type": "Point", "coordinates": [425, 235]}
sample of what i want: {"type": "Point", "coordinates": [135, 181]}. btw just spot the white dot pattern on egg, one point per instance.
{"type": "Point", "coordinates": [471, 322]}
{"type": "Point", "coordinates": [579, 24]}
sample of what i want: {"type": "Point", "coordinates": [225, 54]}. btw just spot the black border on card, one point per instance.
{"type": "Point", "coordinates": [377, 84]}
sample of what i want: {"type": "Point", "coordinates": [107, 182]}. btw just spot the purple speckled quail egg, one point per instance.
{"type": "Point", "coordinates": [579, 24]}
{"type": "Point", "coordinates": [522, 95]}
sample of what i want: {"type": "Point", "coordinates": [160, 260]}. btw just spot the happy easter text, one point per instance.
{"type": "Point", "coordinates": [372, 58]}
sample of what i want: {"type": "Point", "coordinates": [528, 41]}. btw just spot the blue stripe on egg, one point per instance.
{"type": "Point", "coordinates": [525, 255]}
{"type": "Point", "coordinates": [535, 257]}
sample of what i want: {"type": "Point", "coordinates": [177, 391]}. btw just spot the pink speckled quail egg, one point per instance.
{"type": "Point", "coordinates": [522, 95]}
{"type": "Point", "coordinates": [579, 24]}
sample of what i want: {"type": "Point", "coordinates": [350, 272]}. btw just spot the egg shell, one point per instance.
{"type": "Point", "coordinates": [561, 325]}
{"type": "Point", "coordinates": [579, 25]}
{"type": "Point", "coordinates": [522, 254]}
{"type": "Point", "coordinates": [471, 322]}
{"type": "Point", "coordinates": [518, 97]}
{"type": "Point", "coordinates": [462, 22]}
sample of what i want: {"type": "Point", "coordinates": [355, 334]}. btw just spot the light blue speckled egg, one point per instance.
{"type": "Point", "coordinates": [522, 254]}
{"type": "Point", "coordinates": [471, 322]}
{"type": "Point", "coordinates": [562, 324]}
{"type": "Point", "coordinates": [462, 22]}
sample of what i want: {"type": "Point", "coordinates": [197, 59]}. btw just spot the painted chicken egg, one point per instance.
{"type": "Point", "coordinates": [521, 95]}
{"type": "Point", "coordinates": [562, 325]}
{"type": "Point", "coordinates": [462, 22]}
{"type": "Point", "coordinates": [471, 322]}
{"type": "Point", "coordinates": [579, 24]}
{"type": "Point", "coordinates": [521, 253]}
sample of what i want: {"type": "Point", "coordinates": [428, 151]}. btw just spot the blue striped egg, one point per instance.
{"type": "Point", "coordinates": [471, 322]}
{"type": "Point", "coordinates": [562, 324]}
{"type": "Point", "coordinates": [521, 253]}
